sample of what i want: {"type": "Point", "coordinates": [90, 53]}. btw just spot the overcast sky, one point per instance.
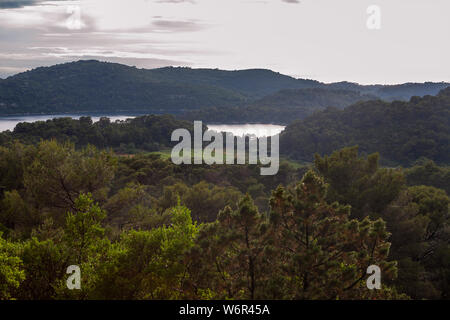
{"type": "Point", "coordinates": [326, 40]}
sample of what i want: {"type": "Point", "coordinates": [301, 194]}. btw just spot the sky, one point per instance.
{"type": "Point", "coordinates": [327, 40]}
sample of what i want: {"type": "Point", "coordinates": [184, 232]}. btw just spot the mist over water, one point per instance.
{"type": "Point", "coordinates": [259, 130]}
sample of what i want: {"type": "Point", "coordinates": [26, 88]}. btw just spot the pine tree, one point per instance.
{"type": "Point", "coordinates": [322, 254]}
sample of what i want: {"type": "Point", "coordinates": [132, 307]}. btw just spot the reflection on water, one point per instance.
{"type": "Point", "coordinates": [259, 130]}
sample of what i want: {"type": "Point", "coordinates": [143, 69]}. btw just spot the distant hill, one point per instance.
{"type": "Point", "coordinates": [93, 86]}
{"type": "Point", "coordinates": [313, 97]}
{"type": "Point", "coordinates": [401, 131]}
{"type": "Point", "coordinates": [281, 107]}
{"type": "Point", "coordinates": [393, 92]}
{"type": "Point", "coordinates": [101, 86]}
{"type": "Point", "coordinates": [254, 83]}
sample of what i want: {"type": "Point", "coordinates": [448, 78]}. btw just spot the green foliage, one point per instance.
{"type": "Point", "coordinates": [44, 264]}
{"type": "Point", "coordinates": [322, 254]}
{"type": "Point", "coordinates": [69, 172]}
{"type": "Point", "coordinates": [13, 160]}
{"type": "Point", "coordinates": [417, 217]}
{"type": "Point", "coordinates": [51, 179]}
{"type": "Point", "coordinates": [284, 106]}
{"type": "Point", "coordinates": [426, 172]}
{"type": "Point", "coordinates": [149, 133]}
{"type": "Point", "coordinates": [313, 240]}
{"type": "Point", "coordinates": [433, 207]}
{"type": "Point", "coordinates": [11, 272]}
{"type": "Point", "coordinates": [359, 182]}
{"type": "Point", "coordinates": [83, 227]}
{"type": "Point", "coordinates": [91, 85]}
{"type": "Point", "coordinates": [204, 199]}
{"type": "Point", "coordinates": [228, 259]}
{"type": "Point", "coordinates": [99, 86]}
{"type": "Point", "coordinates": [149, 264]}
{"type": "Point", "coordinates": [401, 132]}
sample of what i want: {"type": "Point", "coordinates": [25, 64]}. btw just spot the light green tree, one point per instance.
{"type": "Point", "coordinates": [11, 269]}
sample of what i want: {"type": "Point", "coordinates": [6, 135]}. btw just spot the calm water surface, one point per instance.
{"type": "Point", "coordinates": [259, 130]}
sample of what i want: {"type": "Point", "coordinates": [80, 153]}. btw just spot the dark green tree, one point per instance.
{"type": "Point", "coordinates": [321, 253]}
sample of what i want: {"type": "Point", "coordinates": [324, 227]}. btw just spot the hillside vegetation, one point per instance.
{"type": "Point", "coordinates": [282, 107]}
{"type": "Point", "coordinates": [401, 131]}
{"type": "Point", "coordinates": [93, 86]}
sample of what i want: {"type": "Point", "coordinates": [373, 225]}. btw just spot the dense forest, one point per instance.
{"type": "Point", "coordinates": [362, 181]}
{"type": "Point", "coordinates": [282, 107]}
{"type": "Point", "coordinates": [401, 131]}
{"type": "Point", "coordinates": [141, 227]}
{"type": "Point", "coordinates": [149, 133]}
{"type": "Point", "coordinates": [393, 92]}
{"type": "Point", "coordinates": [93, 86]}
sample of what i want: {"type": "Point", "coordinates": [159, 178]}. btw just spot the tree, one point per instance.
{"type": "Point", "coordinates": [402, 132]}
{"type": "Point", "coordinates": [359, 181]}
{"type": "Point", "coordinates": [11, 272]}
{"type": "Point", "coordinates": [424, 263]}
{"type": "Point", "coordinates": [417, 217]}
{"type": "Point", "coordinates": [44, 264]}
{"type": "Point", "coordinates": [228, 259]}
{"type": "Point", "coordinates": [83, 227]}
{"type": "Point", "coordinates": [150, 264]}
{"type": "Point", "coordinates": [59, 173]}
{"type": "Point", "coordinates": [85, 245]}
{"type": "Point", "coordinates": [321, 254]}
{"type": "Point", "coordinates": [204, 200]}
{"type": "Point", "coordinates": [426, 172]}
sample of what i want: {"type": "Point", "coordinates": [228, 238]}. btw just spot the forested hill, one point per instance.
{"type": "Point", "coordinates": [313, 97]}
{"type": "Point", "coordinates": [100, 86]}
{"type": "Point", "coordinates": [401, 131]}
{"type": "Point", "coordinates": [393, 92]}
{"type": "Point", "coordinates": [93, 86]}
{"type": "Point", "coordinates": [282, 107]}
{"type": "Point", "coordinates": [253, 83]}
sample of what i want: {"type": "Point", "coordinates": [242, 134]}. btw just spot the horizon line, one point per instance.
{"type": "Point", "coordinates": [293, 76]}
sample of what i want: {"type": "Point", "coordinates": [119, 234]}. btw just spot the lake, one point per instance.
{"type": "Point", "coordinates": [259, 130]}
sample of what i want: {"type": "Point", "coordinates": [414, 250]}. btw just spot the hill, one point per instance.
{"type": "Point", "coordinates": [100, 86]}
{"type": "Point", "coordinates": [93, 86]}
{"type": "Point", "coordinates": [401, 131]}
{"type": "Point", "coordinates": [253, 83]}
{"type": "Point", "coordinates": [282, 107]}
{"type": "Point", "coordinates": [393, 92]}
{"type": "Point", "coordinates": [313, 97]}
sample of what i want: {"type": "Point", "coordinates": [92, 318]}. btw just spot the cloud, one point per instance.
{"type": "Point", "coordinates": [175, 1]}
{"type": "Point", "coordinates": [177, 26]}
{"type": "Point", "coordinates": [11, 4]}
{"type": "Point", "coordinates": [6, 4]}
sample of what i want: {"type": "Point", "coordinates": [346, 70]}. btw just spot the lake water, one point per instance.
{"type": "Point", "coordinates": [259, 130]}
